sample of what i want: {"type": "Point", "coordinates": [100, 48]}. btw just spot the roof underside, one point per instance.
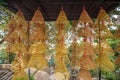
{"type": "Point", "coordinates": [51, 8]}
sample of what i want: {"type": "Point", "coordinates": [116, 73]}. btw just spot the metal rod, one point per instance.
{"type": "Point", "coordinates": [100, 75]}
{"type": "Point", "coordinates": [29, 73]}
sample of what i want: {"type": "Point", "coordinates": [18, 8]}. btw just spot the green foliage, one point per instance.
{"type": "Point", "coordinates": [3, 56]}
{"type": "Point", "coordinates": [32, 77]}
{"type": "Point", "coordinates": [4, 16]}
{"type": "Point", "coordinates": [11, 57]}
{"type": "Point", "coordinates": [94, 73]}
{"type": "Point", "coordinates": [109, 75]}
{"type": "Point", "coordinates": [113, 42]}
{"type": "Point", "coordinates": [2, 2]}
{"type": "Point", "coordinates": [6, 57]}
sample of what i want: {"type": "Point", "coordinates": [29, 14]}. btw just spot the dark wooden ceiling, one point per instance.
{"type": "Point", "coordinates": [51, 8]}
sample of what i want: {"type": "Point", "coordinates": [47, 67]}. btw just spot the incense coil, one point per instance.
{"type": "Point", "coordinates": [59, 76]}
{"type": "Point", "coordinates": [20, 20]}
{"type": "Point", "coordinates": [60, 67]}
{"type": "Point", "coordinates": [86, 48]}
{"type": "Point", "coordinates": [37, 48]}
{"type": "Point", "coordinates": [64, 57]}
{"type": "Point", "coordinates": [104, 63]}
{"type": "Point", "coordinates": [60, 34]}
{"type": "Point", "coordinates": [85, 32]}
{"type": "Point", "coordinates": [61, 19]}
{"type": "Point", "coordinates": [104, 34]}
{"type": "Point", "coordinates": [75, 51]}
{"type": "Point", "coordinates": [38, 18]}
{"type": "Point", "coordinates": [37, 61]}
{"type": "Point", "coordinates": [85, 18]}
{"type": "Point", "coordinates": [105, 47]}
{"type": "Point", "coordinates": [75, 47]}
{"type": "Point", "coordinates": [87, 63]}
{"type": "Point", "coordinates": [20, 32]}
{"type": "Point", "coordinates": [102, 16]}
{"type": "Point", "coordinates": [61, 48]}
{"type": "Point", "coordinates": [84, 75]}
{"type": "Point", "coordinates": [11, 37]}
{"type": "Point", "coordinates": [38, 34]}
{"type": "Point", "coordinates": [18, 48]}
{"type": "Point", "coordinates": [19, 63]}
{"type": "Point", "coordinates": [11, 24]}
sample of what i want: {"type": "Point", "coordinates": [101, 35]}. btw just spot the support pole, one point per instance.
{"type": "Point", "coordinates": [100, 75]}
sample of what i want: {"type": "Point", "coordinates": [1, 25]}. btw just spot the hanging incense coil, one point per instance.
{"type": "Point", "coordinates": [37, 61]}
{"type": "Point", "coordinates": [116, 34]}
{"type": "Point", "coordinates": [65, 58]}
{"type": "Point", "coordinates": [38, 18]}
{"type": "Point", "coordinates": [85, 31]}
{"type": "Point", "coordinates": [87, 48]}
{"type": "Point", "coordinates": [61, 19]}
{"type": "Point", "coordinates": [21, 75]}
{"type": "Point", "coordinates": [84, 75]}
{"type": "Point", "coordinates": [11, 24]}
{"type": "Point", "coordinates": [37, 48]}
{"type": "Point", "coordinates": [117, 61]}
{"type": "Point", "coordinates": [18, 48]}
{"type": "Point", "coordinates": [105, 48]}
{"type": "Point", "coordinates": [61, 67]}
{"type": "Point", "coordinates": [18, 32]}
{"type": "Point", "coordinates": [101, 26]}
{"type": "Point", "coordinates": [87, 63]}
{"type": "Point", "coordinates": [75, 51]}
{"type": "Point", "coordinates": [62, 51]}
{"type": "Point", "coordinates": [38, 34]}
{"type": "Point", "coordinates": [59, 76]}
{"type": "Point", "coordinates": [19, 63]}
{"type": "Point", "coordinates": [61, 47]}
{"type": "Point", "coordinates": [21, 32]}
{"type": "Point", "coordinates": [38, 29]}
{"type": "Point", "coordinates": [102, 16]}
{"type": "Point", "coordinates": [104, 63]}
{"type": "Point", "coordinates": [104, 33]}
{"type": "Point", "coordinates": [60, 34]}
{"type": "Point", "coordinates": [20, 20]}
{"type": "Point", "coordinates": [19, 28]}
{"type": "Point", "coordinates": [11, 38]}
{"type": "Point", "coordinates": [85, 18]}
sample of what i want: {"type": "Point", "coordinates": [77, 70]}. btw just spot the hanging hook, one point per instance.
{"type": "Point", "coordinates": [84, 8]}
